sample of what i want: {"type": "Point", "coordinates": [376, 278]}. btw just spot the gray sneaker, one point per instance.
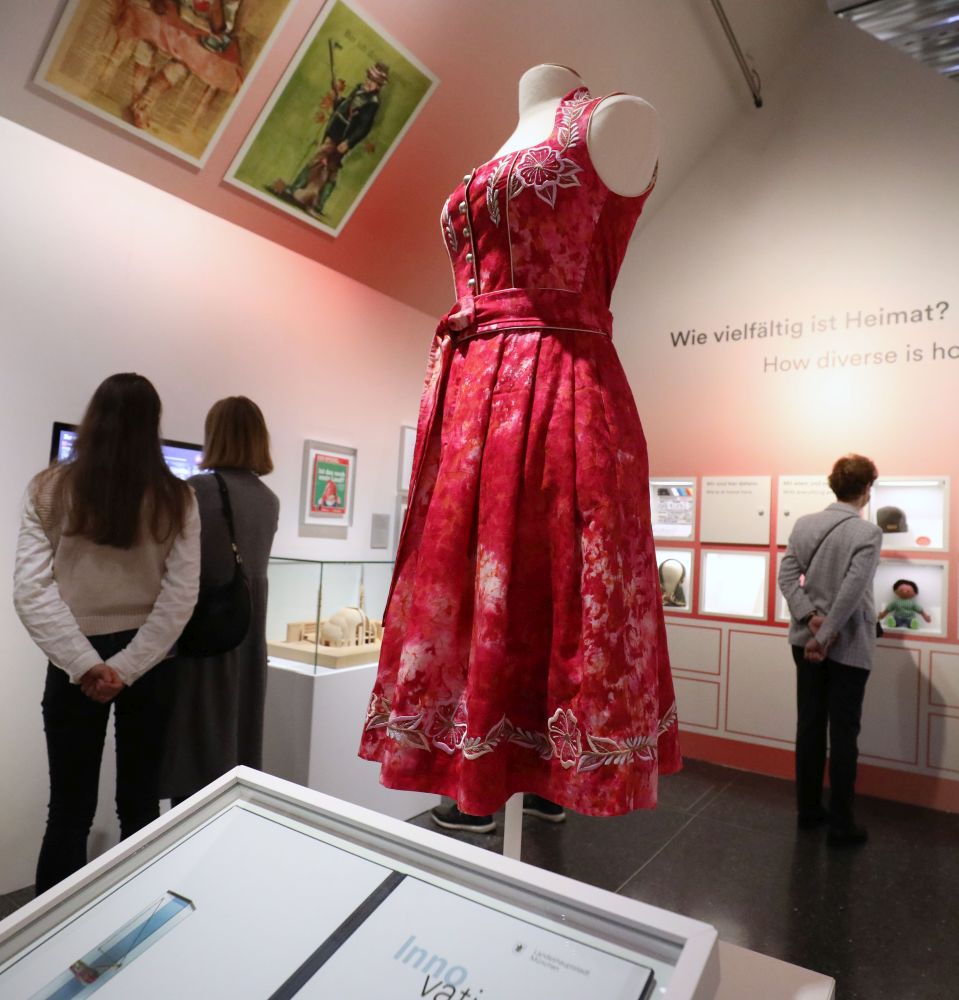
{"type": "Point", "coordinates": [536, 805]}
{"type": "Point", "coordinates": [450, 817]}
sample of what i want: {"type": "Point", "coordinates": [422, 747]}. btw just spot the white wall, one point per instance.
{"type": "Point", "coordinates": [839, 196]}
{"type": "Point", "coordinates": [101, 273]}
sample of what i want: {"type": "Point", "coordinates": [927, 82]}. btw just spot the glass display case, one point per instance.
{"type": "Point", "coordinates": [258, 888]}
{"type": "Point", "coordinates": [918, 605]}
{"type": "Point", "coordinates": [326, 614]}
{"type": "Point", "coordinates": [912, 512]}
{"type": "Point", "coordinates": [675, 578]}
{"type": "Point", "coordinates": [734, 584]}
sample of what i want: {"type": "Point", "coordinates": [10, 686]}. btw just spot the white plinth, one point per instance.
{"type": "Point", "coordinates": [312, 732]}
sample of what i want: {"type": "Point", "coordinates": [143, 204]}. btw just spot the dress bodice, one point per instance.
{"type": "Point", "coordinates": [541, 217]}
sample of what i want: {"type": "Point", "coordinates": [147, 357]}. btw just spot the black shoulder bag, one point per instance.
{"type": "Point", "coordinates": [221, 618]}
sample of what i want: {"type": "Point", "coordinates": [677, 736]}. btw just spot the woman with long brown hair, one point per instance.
{"type": "Point", "coordinates": [217, 717]}
{"type": "Point", "coordinates": [106, 576]}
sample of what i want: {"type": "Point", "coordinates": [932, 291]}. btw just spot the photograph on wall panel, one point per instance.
{"type": "Point", "coordinates": [733, 584]}
{"type": "Point", "coordinates": [910, 596]}
{"type": "Point", "coordinates": [168, 71]}
{"type": "Point", "coordinates": [676, 578]}
{"type": "Point", "coordinates": [912, 511]}
{"type": "Point", "coordinates": [672, 506]}
{"type": "Point", "coordinates": [334, 119]}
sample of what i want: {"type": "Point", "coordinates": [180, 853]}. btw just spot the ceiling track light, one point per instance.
{"type": "Point", "coordinates": [926, 30]}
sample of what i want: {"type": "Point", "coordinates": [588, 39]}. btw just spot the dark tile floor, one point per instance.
{"type": "Point", "coordinates": [723, 847]}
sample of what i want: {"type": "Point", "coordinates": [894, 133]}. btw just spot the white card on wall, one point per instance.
{"type": "Point", "coordinates": [797, 496]}
{"type": "Point", "coordinates": [735, 510]}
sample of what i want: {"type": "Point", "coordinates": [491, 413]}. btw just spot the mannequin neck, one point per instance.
{"type": "Point", "coordinates": [540, 91]}
{"type": "Point", "coordinates": [545, 85]}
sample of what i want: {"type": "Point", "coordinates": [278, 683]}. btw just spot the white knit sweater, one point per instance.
{"type": "Point", "coordinates": [67, 588]}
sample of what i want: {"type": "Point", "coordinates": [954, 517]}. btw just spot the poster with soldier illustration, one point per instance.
{"type": "Point", "coordinates": [334, 119]}
{"type": "Point", "coordinates": [168, 71]}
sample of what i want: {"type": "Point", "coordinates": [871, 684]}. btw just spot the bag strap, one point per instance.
{"type": "Point", "coordinates": [815, 551]}
{"type": "Point", "coordinates": [228, 516]}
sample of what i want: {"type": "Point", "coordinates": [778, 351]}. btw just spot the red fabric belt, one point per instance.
{"type": "Point", "coordinates": [524, 308]}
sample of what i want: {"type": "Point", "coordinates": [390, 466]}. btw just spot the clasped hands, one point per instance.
{"type": "Point", "coordinates": [814, 651]}
{"type": "Point", "coordinates": [101, 683]}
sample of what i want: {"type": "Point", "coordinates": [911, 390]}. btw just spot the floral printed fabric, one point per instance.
{"type": "Point", "coordinates": [525, 648]}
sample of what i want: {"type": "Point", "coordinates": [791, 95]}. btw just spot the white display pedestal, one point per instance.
{"type": "Point", "coordinates": [314, 719]}
{"type": "Point", "coordinates": [744, 973]}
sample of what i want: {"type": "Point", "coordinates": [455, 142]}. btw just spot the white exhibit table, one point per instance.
{"type": "Point", "coordinates": [258, 888]}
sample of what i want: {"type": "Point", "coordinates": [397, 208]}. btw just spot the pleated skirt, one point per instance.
{"type": "Point", "coordinates": [525, 648]}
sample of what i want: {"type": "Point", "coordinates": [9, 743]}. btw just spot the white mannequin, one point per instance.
{"type": "Point", "coordinates": [623, 137]}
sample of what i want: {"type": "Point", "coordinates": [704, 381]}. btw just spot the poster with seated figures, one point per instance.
{"type": "Point", "coordinates": [910, 596]}
{"type": "Point", "coordinates": [912, 511]}
{"type": "Point", "coordinates": [347, 98]}
{"type": "Point", "coordinates": [168, 71]}
{"type": "Point", "coordinates": [675, 578]}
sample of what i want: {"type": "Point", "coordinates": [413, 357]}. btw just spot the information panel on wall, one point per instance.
{"type": "Point", "coordinates": [797, 496]}
{"type": "Point", "coordinates": [735, 510]}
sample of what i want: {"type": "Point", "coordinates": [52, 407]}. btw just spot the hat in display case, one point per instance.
{"type": "Point", "coordinates": [672, 573]}
{"type": "Point", "coordinates": [892, 520]}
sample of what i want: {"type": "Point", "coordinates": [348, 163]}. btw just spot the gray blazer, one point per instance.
{"type": "Point", "coordinates": [838, 583]}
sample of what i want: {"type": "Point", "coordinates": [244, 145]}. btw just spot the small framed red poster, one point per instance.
{"type": "Point", "coordinates": [329, 475]}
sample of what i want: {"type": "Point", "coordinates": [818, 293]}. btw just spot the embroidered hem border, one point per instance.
{"type": "Point", "coordinates": [445, 729]}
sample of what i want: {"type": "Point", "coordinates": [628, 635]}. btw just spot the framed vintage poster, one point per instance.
{"type": "Point", "coordinates": [168, 71]}
{"type": "Point", "coordinates": [329, 478]}
{"type": "Point", "coordinates": [334, 119]}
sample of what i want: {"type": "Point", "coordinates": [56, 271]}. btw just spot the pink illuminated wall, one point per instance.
{"type": "Point", "coordinates": [828, 222]}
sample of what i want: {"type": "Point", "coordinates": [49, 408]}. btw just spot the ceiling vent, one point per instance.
{"type": "Point", "coordinates": [927, 30]}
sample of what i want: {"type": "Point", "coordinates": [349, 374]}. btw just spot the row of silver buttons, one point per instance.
{"type": "Point", "coordinates": [464, 210]}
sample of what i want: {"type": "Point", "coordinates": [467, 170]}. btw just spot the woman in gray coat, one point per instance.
{"type": "Point", "coordinates": [217, 717]}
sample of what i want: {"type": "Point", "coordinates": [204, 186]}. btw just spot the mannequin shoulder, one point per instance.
{"type": "Point", "coordinates": [623, 143]}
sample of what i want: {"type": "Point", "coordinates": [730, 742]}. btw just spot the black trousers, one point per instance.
{"type": "Point", "coordinates": [75, 728]}
{"type": "Point", "coordinates": [829, 695]}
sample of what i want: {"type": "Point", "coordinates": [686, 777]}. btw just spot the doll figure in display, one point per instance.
{"type": "Point", "coordinates": [524, 646]}
{"type": "Point", "coordinates": [902, 611]}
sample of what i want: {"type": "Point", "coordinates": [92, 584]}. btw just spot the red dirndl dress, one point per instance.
{"type": "Point", "coordinates": [525, 649]}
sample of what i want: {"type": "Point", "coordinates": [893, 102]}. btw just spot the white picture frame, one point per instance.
{"type": "Point", "coordinates": [328, 485]}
